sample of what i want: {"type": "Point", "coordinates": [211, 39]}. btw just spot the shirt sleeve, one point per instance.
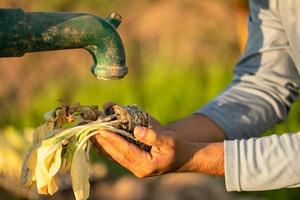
{"type": "Point", "coordinates": [265, 163]}
{"type": "Point", "coordinates": [265, 82]}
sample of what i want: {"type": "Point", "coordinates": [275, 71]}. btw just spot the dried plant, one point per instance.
{"type": "Point", "coordinates": [62, 144]}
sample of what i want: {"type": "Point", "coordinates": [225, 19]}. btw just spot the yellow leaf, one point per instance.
{"type": "Point", "coordinates": [55, 163]}
{"type": "Point", "coordinates": [48, 165]}
{"type": "Point", "coordinates": [80, 175]}
{"type": "Point", "coordinates": [52, 186]}
{"type": "Point", "coordinates": [30, 160]}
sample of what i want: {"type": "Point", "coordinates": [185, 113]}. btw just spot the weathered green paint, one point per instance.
{"type": "Point", "coordinates": [22, 32]}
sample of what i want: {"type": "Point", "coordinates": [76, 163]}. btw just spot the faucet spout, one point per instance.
{"type": "Point", "coordinates": [22, 32]}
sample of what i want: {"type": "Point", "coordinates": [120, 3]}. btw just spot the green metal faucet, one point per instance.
{"type": "Point", "coordinates": [22, 32]}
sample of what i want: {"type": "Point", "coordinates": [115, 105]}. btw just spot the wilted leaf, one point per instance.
{"type": "Point", "coordinates": [48, 165]}
{"type": "Point", "coordinates": [62, 117]}
{"type": "Point", "coordinates": [30, 160]}
{"type": "Point", "coordinates": [56, 147]}
{"type": "Point", "coordinates": [50, 116]}
{"type": "Point", "coordinates": [68, 154]}
{"type": "Point", "coordinates": [80, 174]}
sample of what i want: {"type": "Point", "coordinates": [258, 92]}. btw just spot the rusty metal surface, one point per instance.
{"type": "Point", "coordinates": [109, 72]}
{"type": "Point", "coordinates": [22, 32]}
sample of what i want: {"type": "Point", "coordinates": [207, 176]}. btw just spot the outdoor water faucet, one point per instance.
{"type": "Point", "coordinates": [22, 32]}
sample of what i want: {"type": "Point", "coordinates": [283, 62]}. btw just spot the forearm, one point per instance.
{"type": "Point", "coordinates": [207, 158]}
{"type": "Point", "coordinates": [206, 154]}
{"type": "Point", "coordinates": [197, 128]}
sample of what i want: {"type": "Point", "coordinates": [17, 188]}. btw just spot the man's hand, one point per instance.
{"type": "Point", "coordinates": [169, 153]}
{"type": "Point", "coordinates": [177, 147]}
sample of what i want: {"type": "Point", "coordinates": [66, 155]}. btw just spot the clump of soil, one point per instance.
{"type": "Point", "coordinates": [127, 118]}
{"type": "Point", "coordinates": [123, 118]}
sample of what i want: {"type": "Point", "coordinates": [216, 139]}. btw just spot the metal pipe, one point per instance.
{"type": "Point", "coordinates": [22, 32]}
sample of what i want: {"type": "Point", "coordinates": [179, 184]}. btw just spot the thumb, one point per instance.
{"type": "Point", "coordinates": [147, 136]}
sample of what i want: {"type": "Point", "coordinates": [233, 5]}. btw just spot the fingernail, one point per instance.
{"type": "Point", "coordinates": [139, 131]}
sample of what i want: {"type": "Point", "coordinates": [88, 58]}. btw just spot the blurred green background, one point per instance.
{"type": "Point", "coordinates": [180, 55]}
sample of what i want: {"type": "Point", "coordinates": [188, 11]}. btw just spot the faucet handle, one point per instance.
{"type": "Point", "coordinates": [114, 19]}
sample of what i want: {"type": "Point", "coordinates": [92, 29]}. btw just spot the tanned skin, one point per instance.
{"type": "Point", "coordinates": [193, 144]}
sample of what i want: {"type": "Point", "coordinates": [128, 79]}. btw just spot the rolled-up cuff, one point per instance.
{"type": "Point", "coordinates": [232, 165]}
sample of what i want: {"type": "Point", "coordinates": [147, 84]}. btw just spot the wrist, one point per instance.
{"type": "Point", "coordinates": [189, 159]}
{"type": "Point", "coordinates": [205, 158]}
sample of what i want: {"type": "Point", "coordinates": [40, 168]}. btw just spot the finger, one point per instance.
{"type": "Point", "coordinates": [148, 136]}
{"type": "Point", "coordinates": [123, 145]}
{"type": "Point", "coordinates": [120, 150]}
{"type": "Point", "coordinates": [116, 155]}
{"type": "Point", "coordinates": [98, 147]}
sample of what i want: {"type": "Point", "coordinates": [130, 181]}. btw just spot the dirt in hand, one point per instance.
{"type": "Point", "coordinates": [123, 118]}
{"type": "Point", "coordinates": [126, 118]}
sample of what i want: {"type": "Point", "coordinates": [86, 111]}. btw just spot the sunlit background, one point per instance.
{"type": "Point", "coordinates": [180, 54]}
